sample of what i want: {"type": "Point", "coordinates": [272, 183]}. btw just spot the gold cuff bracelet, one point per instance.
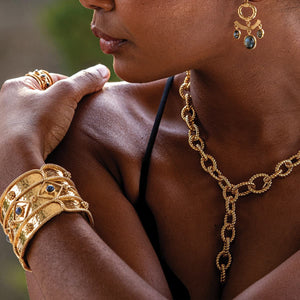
{"type": "Point", "coordinates": [33, 199]}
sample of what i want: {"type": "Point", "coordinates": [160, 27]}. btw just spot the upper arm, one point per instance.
{"type": "Point", "coordinates": [282, 283]}
{"type": "Point", "coordinates": [116, 221]}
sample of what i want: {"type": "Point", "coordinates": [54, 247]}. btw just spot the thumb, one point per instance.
{"type": "Point", "coordinates": [84, 82]}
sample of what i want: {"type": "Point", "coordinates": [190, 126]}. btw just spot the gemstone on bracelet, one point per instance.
{"type": "Point", "coordinates": [50, 188]}
{"type": "Point", "coordinates": [65, 186]}
{"type": "Point", "coordinates": [84, 204]}
{"type": "Point", "coordinates": [11, 195]}
{"type": "Point", "coordinates": [29, 227]}
{"type": "Point", "coordinates": [67, 174]}
{"type": "Point", "coordinates": [19, 210]}
{"type": "Point", "coordinates": [12, 225]}
{"type": "Point", "coordinates": [33, 199]}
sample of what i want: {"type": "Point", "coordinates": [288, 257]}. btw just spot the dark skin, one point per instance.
{"type": "Point", "coordinates": [249, 123]}
{"type": "Point", "coordinates": [189, 200]}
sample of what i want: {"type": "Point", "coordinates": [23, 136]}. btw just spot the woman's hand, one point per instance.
{"type": "Point", "coordinates": [40, 117]}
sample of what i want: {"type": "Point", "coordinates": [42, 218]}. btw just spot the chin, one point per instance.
{"type": "Point", "coordinates": [132, 74]}
{"type": "Point", "coordinates": [139, 73]}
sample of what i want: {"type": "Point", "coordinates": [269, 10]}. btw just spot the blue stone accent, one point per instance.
{"type": "Point", "coordinates": [19, 210]}
{"type": "Point", "coordinates": [237, 34]}
{"type": "Point", "coordinates": [250, 42]}
{"type": "Point", "coordinates": [50, 188]}
{"type": "Point", "coordinates": [7, 239]}
{"type": "Point", "coordinates": [260, 33]}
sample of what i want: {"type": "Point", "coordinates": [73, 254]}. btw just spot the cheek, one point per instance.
{"type": "Point", "coordinates": [155, 56]}
{"type": "Point", "coordinates": [150, 59]}
{"type": "Point", "coordinates": [168, 43]}
{"type": "Point", "coordinates": [144, 67]}
{"type": "Point", "coordinates": [147, 55]}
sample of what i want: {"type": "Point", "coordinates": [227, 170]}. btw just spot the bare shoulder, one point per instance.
{"type": "Point", "coordinates": [112, 128]}
{"type": "Point", "coordinates": [119, 114]}
{"type": "Point", "coordinates": [103, 150]}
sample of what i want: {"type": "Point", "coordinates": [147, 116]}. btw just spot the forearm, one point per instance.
{"type": "Point", "coordinates": [69, 260]}
{"type": "Point", "coordinates": [281, 283]}
{"type": "Point", "coordinates": [16, 157]}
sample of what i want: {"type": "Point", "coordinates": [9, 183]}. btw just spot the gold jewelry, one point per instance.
{"type": "Point", "coordinates": [231, 192]}
{"type": "Point", "coordinates": [249, 40]}
{"type": "Point", "coordinates": [32, 200]}
{"type": "Point", "coordinates": [43, 78]}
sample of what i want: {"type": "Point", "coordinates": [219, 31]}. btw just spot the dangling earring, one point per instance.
{"type": "Point", "coordinates": [249, 40]}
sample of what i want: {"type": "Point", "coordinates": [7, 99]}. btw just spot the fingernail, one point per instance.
{"type": "Point", "coordinates": [105, 73]}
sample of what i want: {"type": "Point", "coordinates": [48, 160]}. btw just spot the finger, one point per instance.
{"type": "Point", "coordinates": [32, 83]}
{"type": "Point", "coordinates": [57, 77]}
{"type": "Point", "coordinates": [80, 84]}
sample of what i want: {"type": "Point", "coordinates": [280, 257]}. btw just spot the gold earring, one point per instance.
{"type": "Point", "coordinates": [249, 40]}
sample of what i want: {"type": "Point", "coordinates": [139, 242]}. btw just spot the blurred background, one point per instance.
{"type": "Point", "coordinates": [50, 34]}
{"type": "Point", "coordinates": [41, 34]}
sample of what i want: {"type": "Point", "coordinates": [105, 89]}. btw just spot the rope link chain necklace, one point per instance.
{"type": "Point", "coordinates": [231, 192]}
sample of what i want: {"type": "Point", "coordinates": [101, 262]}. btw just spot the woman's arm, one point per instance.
{"type": "Point", "coordinates": [281, 283]}
{"type": "Point", "coordinates": [117, 261]}
{"type": "Point", "coordinates": [67, 257]}
{"type": "Point", "coordinates": [70, 261]}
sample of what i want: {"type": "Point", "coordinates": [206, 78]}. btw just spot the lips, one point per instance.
{"type": "Point", "coordinates": [108, 44]}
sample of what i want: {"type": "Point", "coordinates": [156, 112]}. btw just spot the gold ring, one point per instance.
{"type": "Point", "coordinates": [43, 78]}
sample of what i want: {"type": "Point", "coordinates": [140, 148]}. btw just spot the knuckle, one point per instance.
{"type": "Point", "coordinates": [68, 90]}
{"type": "Point", "coordinates": [9, 84]}
{"type": "Point", "coordinates": [90, 76]}
{"type": "Point", "coordinates": [66, 87]}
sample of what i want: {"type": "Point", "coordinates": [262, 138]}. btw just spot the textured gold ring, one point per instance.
{"type": "Point", "coordinates": [43, 78]}
{"type": "Point", "coordinates": [252, 16]}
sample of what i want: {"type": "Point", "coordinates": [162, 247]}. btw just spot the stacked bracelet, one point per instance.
{"type": "Point", "coordinates": [33, 199]}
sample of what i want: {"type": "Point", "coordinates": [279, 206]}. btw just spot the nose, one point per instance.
{"type": "Point", "coordinates": [106, 5]}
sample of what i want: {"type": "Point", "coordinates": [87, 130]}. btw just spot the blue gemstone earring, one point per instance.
{"type": "Point", "coordinates": [250, 39]}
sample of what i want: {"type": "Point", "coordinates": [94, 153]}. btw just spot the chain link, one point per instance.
{"type": "Point", "coordinates": [257, 184]}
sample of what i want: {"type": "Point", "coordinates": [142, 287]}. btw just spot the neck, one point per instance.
{"type": "Point", "coordinates": [257, 102]}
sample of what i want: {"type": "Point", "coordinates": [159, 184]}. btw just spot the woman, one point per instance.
{"type": "Point", "coordinates": [246, 104]}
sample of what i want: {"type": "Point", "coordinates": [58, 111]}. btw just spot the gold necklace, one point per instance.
{"type": "Point", "coordinates": [231, 192]}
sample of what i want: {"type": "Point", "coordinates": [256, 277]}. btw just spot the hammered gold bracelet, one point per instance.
{"type": "Point", "coordinates": [32, 200]}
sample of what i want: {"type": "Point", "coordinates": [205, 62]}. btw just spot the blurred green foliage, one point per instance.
{"type": "Point", "coordinates": [12, 277]}
{"type": "Point", "coordinates": [68, 24]}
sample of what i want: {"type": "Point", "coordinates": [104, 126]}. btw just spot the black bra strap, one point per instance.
{"type": "Point", "coordinates": [147, 157]}
{"type": "Point", "coordinates": [177, 288]}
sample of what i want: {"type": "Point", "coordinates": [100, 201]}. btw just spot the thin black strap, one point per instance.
{"type": "Point", "coordinates": [177, 288]}
{"type": "Point", "coordinates": [147, 157]}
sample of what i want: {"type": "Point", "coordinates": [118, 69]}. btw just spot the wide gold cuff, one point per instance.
{"type": "Point", "coordinates": [33, 199]}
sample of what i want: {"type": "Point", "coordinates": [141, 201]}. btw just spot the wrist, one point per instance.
{"type": "Point", "coordinates": [34, 198]}
{"type": "Point", "coordinates": [17, 155]}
